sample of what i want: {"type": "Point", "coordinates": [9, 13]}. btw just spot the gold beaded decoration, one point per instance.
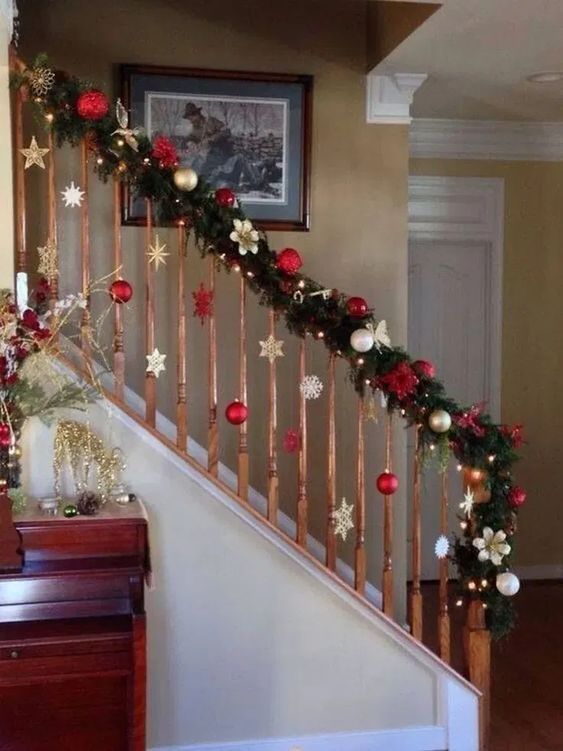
{"type": "Point", "coordinates": [83, 448]}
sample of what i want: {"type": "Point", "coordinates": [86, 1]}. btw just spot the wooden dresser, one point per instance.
{"type": "Point", "coordinates": [72, 634]}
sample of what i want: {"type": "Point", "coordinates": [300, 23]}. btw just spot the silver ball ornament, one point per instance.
{"type": "Point", "coordinates": [185, 178]}
{"type": "Point", "coordinates": [440, 421]}
{"type": "Point", "coordinates": [508, 584]}
{"type": "Point", "coordinates": [362, 340]}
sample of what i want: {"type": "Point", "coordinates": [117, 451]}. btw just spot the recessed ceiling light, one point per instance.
{"type": "Point", "coordinates": [546, 76]}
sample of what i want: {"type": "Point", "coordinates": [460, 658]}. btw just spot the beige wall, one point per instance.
{"type": "Point", "coordinates": [532, 353]}
{"type": "Point", "coordinates": [358, 241]}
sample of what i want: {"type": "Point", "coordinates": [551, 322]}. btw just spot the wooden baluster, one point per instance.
{"type": "Point", "coordinates": [118, 351]}
{"type": "Point", "coordinates": [477, 643]}
{"type": "Point", "coordinates": [181, 399]}
{"type": "Point", "coordinates": [388, 526]}
{"type": "Point", "coordinates": [242, 487]}
{"type": "Point", "coordinates": [150, 378]}
{"type": "Point", "coordinates": [416, 594]}
{"type": "Point", "coordinates": [52, 214]}
{"type": "Point", "coordinates": [85, 236]}
{"type": "Point", "coordinates": [444, 613]}
{"type": "Point", "coordinates": [302, 469]}
{"type": "Point", "coordinates": [360, 552]}
{"type": "Point", "coordinates": [331, 469]}
{"type": "Point", "coordinates": [273, 483]}
{"type": "Point", "coordinates": [21, 241]}
{"type": "Point", "coordinates": [213, 435]}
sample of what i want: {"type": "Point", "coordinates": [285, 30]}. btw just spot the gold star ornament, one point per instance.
{"type": "Point", "coordinates": [156, 254]}
{"type": "Point", "coordinates": [271, 348]}
{"type": "Point", "coordinates": [34, 155]}
{"type": "Point", "coordinates": [48, 261]}
{"type": "Point", "coordinates": [155, 363]}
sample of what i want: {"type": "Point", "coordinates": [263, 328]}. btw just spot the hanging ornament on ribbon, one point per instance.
{"type": "Point", "coordinates": [387, 483]}
{"type": "Point", "coordinates": [120, 291]}
{"type": "Point", "coordinates": [508, 584]}
{"type": "Point", "coordinates": [236, 412]}
{"type": "Point", "coordinates": [128, 134]}
{"type": "Point", "coordinates": [439, 421]}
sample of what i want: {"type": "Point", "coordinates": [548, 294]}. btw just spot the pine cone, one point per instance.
{"type": "Point", "coordinates": [88, 503]}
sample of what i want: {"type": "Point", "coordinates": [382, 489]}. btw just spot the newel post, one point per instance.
{"type": "Point", "coordinates": [477, 642]}
{"type": "Point", "coordinates": [10, 541]}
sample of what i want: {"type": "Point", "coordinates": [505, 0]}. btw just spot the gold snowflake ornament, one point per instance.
{"type": "Point", "coordinates": [34, 155]}
{"type": "Point", "coordinates": [157, 254]}
{"type": "Point", "coordinates": [48, 260]}
{"type": "Point", "coordinates": [343, 519]}
{"type": "Point", "coordinates": [271, 348]}
{"type": "Point", "coordinates": [155, 362]}
{"type": "Point", "coordinates": [41, 81]}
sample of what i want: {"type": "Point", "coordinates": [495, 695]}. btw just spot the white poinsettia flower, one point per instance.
{"type": "Point", "coordinates": [245, 235]}
{"type": "Point", "coordinates": [492, 546]}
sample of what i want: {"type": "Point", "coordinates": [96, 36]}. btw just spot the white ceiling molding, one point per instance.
{"type": "Point", "coordinates": [389, 97]}
{"type": "Point", "coordinates": [486, 139]}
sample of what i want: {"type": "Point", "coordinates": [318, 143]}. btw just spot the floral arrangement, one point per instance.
{"type": "Point", "coordinates": [73, 110]}
{"type": "Point", "coordinates": [31, 381]}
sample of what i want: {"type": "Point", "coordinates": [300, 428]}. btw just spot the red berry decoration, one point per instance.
{"type": "Point", "coordinates": [92, 105]}
{"type": "Point", "coordinates": [236, 413]}
{"type": "Point", "coordinates": [120, 291]}
{"type": "Point", "coordinates": [5, 435]}
{"type": "Point", "coordinates": [289, 261]}
{"type": "Point", "coordinates": [225, 197]}
{"type": "Point", "coordinates": [357, 307]}
{"type": "Point", "coordinates": [424, 369]}
{"type": "Point", "coordinates": [517, 496]}
{"type": "Point", "coordinates": [387, 483]}
{"type": "Point", "coordinates": [164, 150]}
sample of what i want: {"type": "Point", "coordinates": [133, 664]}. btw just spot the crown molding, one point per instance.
{"type": "Point", "coordinates": [486, 139]}
{"type": "Point", "coordinates": [389, 97]}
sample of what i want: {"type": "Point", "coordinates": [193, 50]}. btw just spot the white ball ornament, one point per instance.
{"type": "Point", "coordinates": [508, 584]}
{"type": "Point", "coordinates": [185, 178]}
{"type": "Point", "coordinates": [362, 340]}
{"type": "Point", "coordinates": [440, 421]}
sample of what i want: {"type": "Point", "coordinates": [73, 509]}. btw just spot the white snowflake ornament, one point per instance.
{"type": "Point", "coordinates": [343, 519]}
{"type": "Point", "coordinates": [311, 387]}
{"type": "Point", "coordinates": [441, 547]}
{"type": "Point", "coordinates": [468, 502]}
{"type": "Point", "coordinates": [155, 362]}
{"type": "Point", "coordinates": [492, 546]}
{"type": "Point", "coordinates": [72, 195]}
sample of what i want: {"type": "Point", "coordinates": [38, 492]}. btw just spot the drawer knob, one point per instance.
{"type": "Point", "coordinates": [14, 654]}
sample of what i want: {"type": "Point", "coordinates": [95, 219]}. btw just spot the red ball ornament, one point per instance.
{"type": "Point", "coordinates": [387, 483]}
{"type": "Point", "coordinates": [357, 307]}
{"type": "Point", "coordinates": [225, 197]}
{"type": "Point", "coordinates": [4, 430]}
{"type": "Point", "coordinates": [289, 261]}
{"type": "Point", "coordinates": [236, 413]}
{"type": "Point", "coordinates": [92, 105]}
{"type": "Point", "coordinates": [120, 291]}
{"type": "Point", "coordinates": [424, 369]}
{"type": "Point", "coordinates": [517, 496]}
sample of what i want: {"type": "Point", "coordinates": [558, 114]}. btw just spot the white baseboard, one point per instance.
{"type": "Point", "coordinates": [531, 573]}
{"type": "Point", "coordinates": [409, 739]}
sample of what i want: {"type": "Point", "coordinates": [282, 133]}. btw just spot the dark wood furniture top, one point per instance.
{"type": "Point", "coordinates": [72, 634]}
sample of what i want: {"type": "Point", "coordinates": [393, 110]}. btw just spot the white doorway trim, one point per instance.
{"type": "Point", "coordinates": [467, 208]}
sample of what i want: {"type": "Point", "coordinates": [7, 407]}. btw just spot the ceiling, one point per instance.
{"type": "Point", "coordinates": [478, 53]}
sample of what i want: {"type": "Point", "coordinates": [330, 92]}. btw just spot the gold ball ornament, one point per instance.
{"type": "Point", "coordinates": [185, 178]}
{"type": "Point", "coordinates": [440, 421]}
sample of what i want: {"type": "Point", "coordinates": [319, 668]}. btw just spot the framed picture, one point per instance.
{"type": "Point", "coordinates": [250, 132]}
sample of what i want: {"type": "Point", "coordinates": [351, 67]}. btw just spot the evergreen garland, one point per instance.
{"type": "Point", "coordinates": [477, 443]}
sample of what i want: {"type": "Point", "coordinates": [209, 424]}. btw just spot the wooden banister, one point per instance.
{"type": "Point", "coordinates": [118, 348]}
{"type": "Point", "coordinates": [212, 430]}
{"type": "Point", "coordinates": [416, 594]}
{"type": "Point", "coordinates": [85, 238]}
{"type": "Point", "coordinates": [443, 610]}
{"type": "Point", "coordinates": [477, 643]}
{"type": "Point", "coordinates": [181, 378]}
{"type": "Point", "coordinates": [150, 377]}
{"type": "Point", "coordinates": [10, 540]}
{"type": "Point", "coordinates": [302, 502]}
{"type": "Point", "coordinates": [388, 597]}
{"type": "Point", "coordinates": [273, 482]}
{"type": "Point", "coordinates": [360, 549]}
{"type": "Point", "coordinates": [331, 469]}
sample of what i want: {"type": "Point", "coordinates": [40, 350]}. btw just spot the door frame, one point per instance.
{"type": "Point", "coordinates": [467, 208]}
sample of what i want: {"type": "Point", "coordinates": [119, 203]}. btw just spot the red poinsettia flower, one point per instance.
{"type": "Point", "coordinates": [470, 420]}
{"type": "Point", "coordinates": [401, 381]}
{"type": "Point", "coordinates": [164, 150]}
{"type": "Point", "coordinates": [30, 320]}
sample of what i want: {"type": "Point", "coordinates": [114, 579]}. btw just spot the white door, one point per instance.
{"type": "Point", "coordinates": [450, 312]}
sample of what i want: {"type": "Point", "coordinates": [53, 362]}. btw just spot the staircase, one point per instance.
{"type": "Point", "coordinates": [282, 617]}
